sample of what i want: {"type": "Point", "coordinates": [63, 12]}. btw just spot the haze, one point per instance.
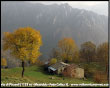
{"type": "Point", "coordinates": [100, 7]}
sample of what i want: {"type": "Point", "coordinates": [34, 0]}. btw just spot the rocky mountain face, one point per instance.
{"type": "Point", "coordinates": [55, 22]}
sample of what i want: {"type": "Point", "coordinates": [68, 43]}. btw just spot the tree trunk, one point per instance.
{"type": "Point", "coordinates": [23, 69]}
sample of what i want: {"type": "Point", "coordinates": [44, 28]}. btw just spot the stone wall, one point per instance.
{"type": "Point", "coordinates": [79, 73]}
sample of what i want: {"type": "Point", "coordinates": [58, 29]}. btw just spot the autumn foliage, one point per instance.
{"type": "Point", "coordinates": [24, 44]}
{"type": "Point", "coordinates": [52, 61]}
{"type": "Point", "coordinates": [102, 54]}
{"type": "Point", "coordinates": [3, 62]}
{"type": "Point", "coordinates": [100, 77]}
{"type": "Point", "coordinates": [68, 48]}
{"type": "Point", "coordinates": [88, 51]}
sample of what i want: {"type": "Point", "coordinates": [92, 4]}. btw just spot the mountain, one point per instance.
{"type": "Point", "coordinates": [55, 22]}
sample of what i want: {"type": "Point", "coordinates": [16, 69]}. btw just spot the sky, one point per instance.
{"type": "Point", "coordinates": [100, 7]}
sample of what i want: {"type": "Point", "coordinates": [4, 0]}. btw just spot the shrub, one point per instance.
{"type": "Point", "coordinates": [52, 61]}
{"type": "Point", "coordinates": [3, 62]}
{"type": "Point", "coordinates": [89, 71]}
{"type": "Point", "coordinates": [100, 77]}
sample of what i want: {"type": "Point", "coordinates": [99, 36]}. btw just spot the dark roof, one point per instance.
{"type": "Point", "coordinates": [71, 67]}
{"type": "Point", "coordinates": [59, 65]}
{"type": "Point", "coordinates": [74, 66]}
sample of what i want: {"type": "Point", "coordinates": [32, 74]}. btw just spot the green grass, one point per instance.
{"type": "Point", "coordinates": [35, 74]}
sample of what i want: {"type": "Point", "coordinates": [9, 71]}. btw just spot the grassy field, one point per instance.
{"type": "Point", "coordinates": [35, 74]}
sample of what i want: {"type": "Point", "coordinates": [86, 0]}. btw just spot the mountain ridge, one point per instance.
{"type": "Point", "coordinates": [55, 22]}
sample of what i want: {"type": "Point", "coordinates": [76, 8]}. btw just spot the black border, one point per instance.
{"type": "Point", "coordinates": [55, 0]}
{"type": "Point", "coordinates": [108, 25]}
{"type": "Point", "coordinates": [108, 43]}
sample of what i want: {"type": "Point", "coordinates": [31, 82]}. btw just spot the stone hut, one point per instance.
{"type": "Point", "coordinates": [73, 71]}
{"type": "Point", "coordinates": [57, 68]}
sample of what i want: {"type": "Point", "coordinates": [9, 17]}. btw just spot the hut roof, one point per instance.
{"type": "Point", "coordinates": [52, 68]}
{"type": "Point", "coordinates": [71, 67]}
{"type": "Point", "coordinates": [59, 65]}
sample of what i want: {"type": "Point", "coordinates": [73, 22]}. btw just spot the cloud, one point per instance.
{"type": "Point", "coordinates": [46, 2]}
{"type": "Point", "coordinates": [86, 3]}
{"type": "Point", "coordinates": [100, 7]}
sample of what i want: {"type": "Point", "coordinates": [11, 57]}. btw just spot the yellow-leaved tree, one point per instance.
{"type": "Point", "coordinates": [24, 44]}
{"type": "Point", "coordinates": [3, 62]}
{"type": "Point", "coordinates": [53, 61]}
{"type": "Point", "coordinates": [68, 48]}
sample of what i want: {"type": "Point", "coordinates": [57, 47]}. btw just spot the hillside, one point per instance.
{"type": "Point", "coordinates": [55, 22]}
{"type": "Point", "coordinates": [35, 74]}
